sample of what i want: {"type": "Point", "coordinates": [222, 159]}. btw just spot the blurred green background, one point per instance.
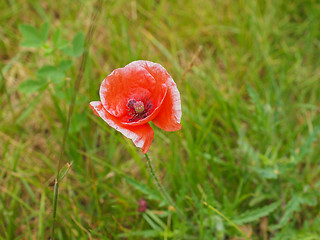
{"type": "Point", "coordinates": [248, 73]}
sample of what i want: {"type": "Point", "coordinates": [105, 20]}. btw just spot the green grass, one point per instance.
{"type": "Point", "coordinates": [245, 162]}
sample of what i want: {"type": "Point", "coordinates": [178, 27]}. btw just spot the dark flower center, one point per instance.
{"type": "Point", "coordinates": [139, 109]}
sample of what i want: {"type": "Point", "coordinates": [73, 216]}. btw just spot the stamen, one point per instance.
{"type": "Point", "coordinates": [131, 102]}
{"type": "Point", "coordinates": [138, 107]}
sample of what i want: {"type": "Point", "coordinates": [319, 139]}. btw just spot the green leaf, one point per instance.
{"type": "Point", "coordinates": [309, 199]}
{"type": "Point", "coordinates": [292, 206]}
{"type": "Point", "coordinates": [78, 44]}
{"type": "Point", "coordinates": [307, 147]}
{"type": "Point", "coordinates": [31, 86]}
{"type": "Point", "coordinates": [48, 52]}
{"type": "Point", "coordinates": [152, 224]}
{"type": "Point", "coordinates": [156, 219]}
{"type": "Point", "coordinates": [67, 50]}
{"type": "Point", "coordinates": [256, 214]}
{"type": "Point", "coordinates": [58, 42]}
{"type": "Point", "coordinates": [50, 72]}
{"type": "Point", "coordinates": [65, 65]}
{"type": "Point", "coordinates": [32, 37]}
{"type": "Point", "coordinates": [45, 31]}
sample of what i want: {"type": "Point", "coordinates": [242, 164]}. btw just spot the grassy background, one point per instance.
{"type": "Point", "coordinates": [248, 74]}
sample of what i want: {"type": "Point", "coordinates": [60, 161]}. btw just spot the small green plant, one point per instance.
{"type": "Point", "coordinates": [55, 73]}
{"type": "Point", "coordinates": [53, 78]}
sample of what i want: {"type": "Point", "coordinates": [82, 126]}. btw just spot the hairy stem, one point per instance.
{"type": "Point", "coordinates": [160, 187]}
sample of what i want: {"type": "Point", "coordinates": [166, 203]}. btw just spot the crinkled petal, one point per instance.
{"type": "Point", "coordinates": [122, 85]}
{"type": "Point", "coordinates": [169, 116]}
{"type": "Point", "coordinates": [141, 136]}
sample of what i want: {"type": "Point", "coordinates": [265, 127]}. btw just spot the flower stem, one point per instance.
{"type": "Point", "coordinates": [160, 187]}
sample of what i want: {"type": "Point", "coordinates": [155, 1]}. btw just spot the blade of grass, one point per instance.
{"type": "Point", "coordinates": [227, 219]}
{"type": "Point", "coordinates": [41, 215]}
{"type": "Point", "coordinates": [55, 201]}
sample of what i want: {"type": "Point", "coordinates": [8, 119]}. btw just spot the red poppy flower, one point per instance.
{"type": "Point", "coordinates": [133, 96]}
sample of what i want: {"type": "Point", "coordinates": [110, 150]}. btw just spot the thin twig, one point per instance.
{"type": "Point", "coordinates": [55, 202]}
{"type": "Point", "coordinates": [191, 63]}
{"type": "Point", "coordinates": [79, 77]}
{"type": "Point", "coordinates": [84, 57]}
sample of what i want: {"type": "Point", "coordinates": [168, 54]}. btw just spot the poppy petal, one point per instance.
{"type": "Point", "coordinates": [169, 116]}
{"type": "Point", "coordinates": [141, 136]}
{"type": "Point", "coordinates": [123, 84]}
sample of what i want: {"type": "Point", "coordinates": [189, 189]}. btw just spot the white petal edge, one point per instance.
{"type": "Point", "coordinates": [138, 142]}
{"type": "Point", "coordinates": [176, 99]}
